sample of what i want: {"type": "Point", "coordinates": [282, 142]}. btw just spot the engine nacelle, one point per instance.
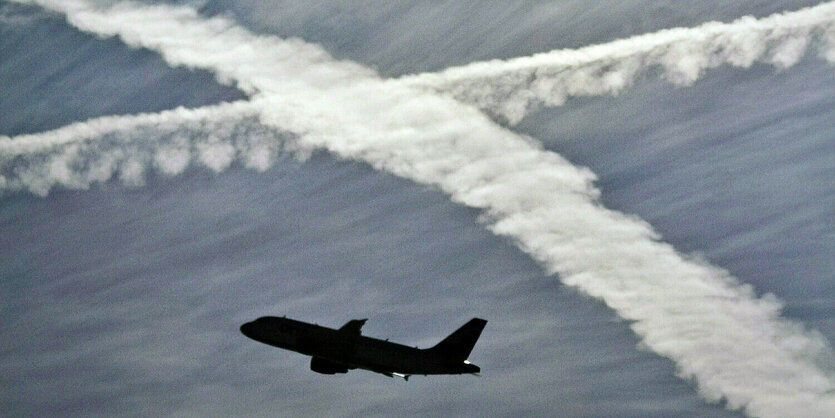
{"type": "Point", "coordinates": [320, 365]}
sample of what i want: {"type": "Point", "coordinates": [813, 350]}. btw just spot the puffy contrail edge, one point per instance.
{"type": "Point", "coordinates": [509, 89]}
{"type": "Point", "coordinates": [94, 151]}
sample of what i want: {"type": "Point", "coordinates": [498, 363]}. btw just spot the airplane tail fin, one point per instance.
{"type": "Point", "coordinates": [460, 343]}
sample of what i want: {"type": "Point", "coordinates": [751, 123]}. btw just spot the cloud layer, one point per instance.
{"type": "Point", "coordinates": [733, 343]}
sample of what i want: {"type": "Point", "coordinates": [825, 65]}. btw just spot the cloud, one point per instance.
{"type": "Point", "coordinates": [734, 344]}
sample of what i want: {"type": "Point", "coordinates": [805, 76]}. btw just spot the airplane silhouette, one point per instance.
{"type": "Point", "coordinates": [339, 350]}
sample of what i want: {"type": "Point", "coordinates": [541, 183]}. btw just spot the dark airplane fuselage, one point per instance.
{"type": "Point", "coordinates": [338, 351]}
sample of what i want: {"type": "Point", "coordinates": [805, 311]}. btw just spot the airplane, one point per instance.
{"type": "Point", "coordinates": [339, 350]}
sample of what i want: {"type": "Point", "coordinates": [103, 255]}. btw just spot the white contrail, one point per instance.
{"type": "Point", "coordinates": [510, 89]}
{"type": "Point", "coordinates": [83, 153]}
{"type": "Point", "coordinates": [735, 345]}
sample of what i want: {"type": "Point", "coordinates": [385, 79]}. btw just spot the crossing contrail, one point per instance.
{"type": "Point", "coordinates": [83, 153]}
{"type": "Point", "coordinates": [510, 89]}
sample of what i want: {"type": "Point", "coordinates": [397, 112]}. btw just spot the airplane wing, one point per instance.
{"type": "Point", "coordinates": [353, 326]}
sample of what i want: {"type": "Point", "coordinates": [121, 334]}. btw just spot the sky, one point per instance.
{"type": "Point", "coordinates": [636, 196]}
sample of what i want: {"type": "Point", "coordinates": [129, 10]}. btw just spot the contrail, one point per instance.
{"type": "Point", "coordinates": [510, 89]}
{"type": "Point", "coordinates": [83, 153]}
{"type": "Point", "coordinates": [735, 345]}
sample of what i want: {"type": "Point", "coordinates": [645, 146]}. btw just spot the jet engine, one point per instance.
{"type": "Point", "coordinates": [320, 365]}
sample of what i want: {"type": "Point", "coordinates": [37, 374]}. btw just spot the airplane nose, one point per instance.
{"type": "Point", "coordinates": [246, 329]}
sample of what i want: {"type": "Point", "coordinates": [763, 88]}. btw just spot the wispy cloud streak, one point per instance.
{"type": "Point", "coordinates": [510, 89]}
{"type": "Point", "coordinates": [734, 344]}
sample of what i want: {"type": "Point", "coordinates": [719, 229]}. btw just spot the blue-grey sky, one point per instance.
{"type": "Point", "coordinates": [125, 298]}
